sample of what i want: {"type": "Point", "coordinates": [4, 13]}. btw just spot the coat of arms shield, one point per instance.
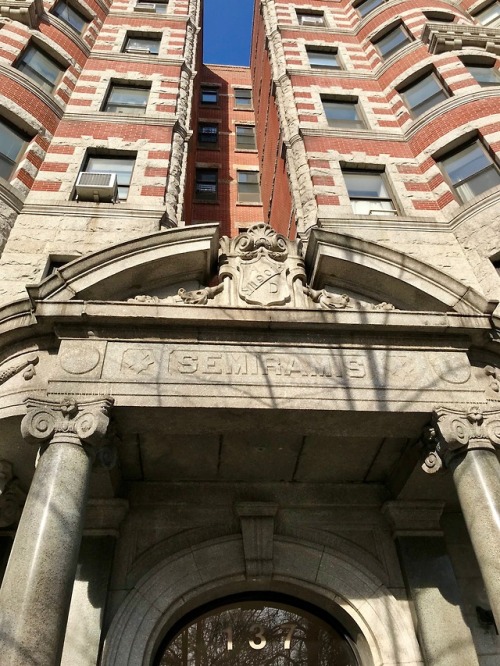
{"type": "Point", "coordinates": [263, 282]}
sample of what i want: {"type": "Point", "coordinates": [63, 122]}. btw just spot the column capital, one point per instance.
{"type": "Point", "coordinates": [86, 420]}
{"type": "Point", "coordinates": [458, 431]}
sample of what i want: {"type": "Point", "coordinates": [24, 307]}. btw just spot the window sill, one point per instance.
{"type": "Point", "coordinates": [204, 146]}
{"type": "Point", "coordinates": [249, 203]}
{"type": "Point", "coordinates": [205, 201]}
{"type": "Point", "coordinates": [253, 151]}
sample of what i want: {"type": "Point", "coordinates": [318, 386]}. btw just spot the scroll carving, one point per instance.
{"type": "Point", "coordinates": [453, 432]}
{"type": "Point", "coordinates": [27, 364]}
{"type": "Point", "coordinates": [88, 421]}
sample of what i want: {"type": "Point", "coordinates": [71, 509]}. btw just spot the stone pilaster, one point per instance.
{"type": "Point", "coordinates": [36, 591]}
{"type": "Point", "coordinates": [465, 443]}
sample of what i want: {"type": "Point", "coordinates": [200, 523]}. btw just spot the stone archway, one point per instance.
{"type": "Point", "coordinates": [216, 568]}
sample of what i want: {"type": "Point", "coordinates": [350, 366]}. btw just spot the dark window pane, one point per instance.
{"type": "Point", "coordinates": [342, 114]}
{"type": "Point", "coordinates": [142, 45]}
{"type": "Point", "coordinates": [209, 95]}
{"type": "Point", "coordinates": [208, 133]}
{"type": "Point", "coordinates": [40, 67]}
{"type": "Point", "coordinates": [12, 143]}
{"type": "Point", "coordinates": [206, 184]}
{"type": "Point", "coordinates": [323, 59]}
{"type": "Point", "coordinates": [243, 97]}
{"type": "Point", "coordinates": [122, 99]}
{"type": "Point", "coordinates": [424, 94]}
{"type": "Point", "coordinates": [485, 75]}
{"type": "Point", "coordinates": [70, 16]}
{"type": "Point", "coordinates": [368, 6]}
{"type": "Point", "coordinates": [245, 137]}
{"type": "Point", "coordinates": [392, 41]}
{"type": "Point", "coordinates": [471, 171]}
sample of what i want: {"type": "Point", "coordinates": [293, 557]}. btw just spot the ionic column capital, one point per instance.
{"type": "Point", "coordinates": [86, 421]}
{"type": "Point", "coordinates": [453, 432]}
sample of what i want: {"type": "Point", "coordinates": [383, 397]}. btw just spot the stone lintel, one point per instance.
{"type": "Point", "coordinates": [417, 518]}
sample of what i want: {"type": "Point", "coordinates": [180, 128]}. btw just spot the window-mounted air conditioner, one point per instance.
{"type": "Point", "coordinates": [139, 49]}
{"type": "Point", "coordinates": [96, 187]}
{"type": "Point", "coordinates": [311, 21]}
{"type": "Point", "coordinates": [145, 7]}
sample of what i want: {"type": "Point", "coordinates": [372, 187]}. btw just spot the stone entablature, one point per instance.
{"type": "Point", "coordinates": [455, 37]}
{"type": "Point", "coordinates": [24, 11]}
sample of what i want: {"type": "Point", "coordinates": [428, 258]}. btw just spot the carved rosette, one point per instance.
{"type": "Point", "coordinates": [47, 421]}
{"type": "Point", "coordinates": [455, 432]}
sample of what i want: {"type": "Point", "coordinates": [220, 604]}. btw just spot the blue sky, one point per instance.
{"type": "Point", "coordinates": [227, 30]}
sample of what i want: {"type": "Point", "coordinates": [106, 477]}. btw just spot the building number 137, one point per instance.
{"type": "Point", "coordinates": [258, 638]}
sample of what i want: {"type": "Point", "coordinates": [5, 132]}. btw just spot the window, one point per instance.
{"type": "Point", "coordinates": [208, 133]}
{"type": "Point", "coordinates": [322, 58]}
{"type": "Point", "coordinates": [392, 41]}
{"type": "Point", "coordinates": [439, 17]}
{"type": "Point", "coordinates": [126, 99]}
{"type": "Point", "coordinates": [368, 193]}
{"type": "Point", "coordinates": [243, 98]}
{"type": "Point", "coordinates": [485, 75]}
{"type": "Point", "coordinates": [245, 137]}
{"type": "Point", "coordinates": [70, 16]}
{"type": "Point", "coordinates": [206, 184]}
{"type": "Point", "coordinates": [422, 95]}
{"type": "Point", "coordinates": [342, 114]}
{"type": "Point", "coordinates": [40, 67]}
{"type": "Point", "coordinates": [368, 6]}
{"type": "Point", "coordinates": [145, 45]}
{"type": "Point", "coordinates": [471, 171]}
{"type": "Point", "coordinates": [489, 15]}
{"type": "Point", "coordinates": [209, 95]}
{"type": "Point", "coordinates": [157, 7]}
{"type": "Point", "coordinates": [12, 144]}
{"type": "Point", "coordinates": [310, 18]}
{"type": "Point", "coordinates": [122, 166]}
{"type": "Point", "coordinates": [248, 187]}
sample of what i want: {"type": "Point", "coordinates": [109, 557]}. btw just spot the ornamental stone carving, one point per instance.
{"type": "Point", "coordinates": [454, 432]}
{"type": "Point", "coordinates": [27, 364]}
{"type": "Point", "coordinates": [84, 422]}
{"type": "Point", "coordinates": [260, 267]}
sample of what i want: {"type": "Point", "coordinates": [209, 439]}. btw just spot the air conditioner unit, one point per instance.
{"type": "Point", "coordinates": [311, 21]}
{"type": "Point", "coordinates": [96, 187]}
{"type": "Point", "coordinates": [139, 49]}
{"type": "Point", "coordinates": [145, 7]}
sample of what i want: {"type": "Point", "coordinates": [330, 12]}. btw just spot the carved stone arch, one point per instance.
{"type": "Point", "coordinates": [164, 257]}
{"type": "Point", "coordinates": [387, 274]}
{"type": "Point", "coordinates": [193, 577]}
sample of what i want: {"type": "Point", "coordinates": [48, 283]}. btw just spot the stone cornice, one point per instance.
{"type": "Point", "coordinates": [178, 18]}
{"type": "Point", "coordinates": [455, 37]}
{"type": "Point", "coordinates": [317, 71]}
{"type": "Point", "coordinates": [10, 196]}
{"type": "Point", "coordinates": [84, 209]}
{"type": "Point", "coordinates": [165, 120]}
{"type": "Point", "coordinates": [137, 57]}
{"type": "Point", "coordinates": [361, 135]}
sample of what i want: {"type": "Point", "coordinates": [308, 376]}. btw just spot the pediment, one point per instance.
{"type": "Point", "coordinates": [259, 268]}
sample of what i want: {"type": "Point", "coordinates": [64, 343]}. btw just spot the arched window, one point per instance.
{"type": "Point", "coordinates": [253, 631]}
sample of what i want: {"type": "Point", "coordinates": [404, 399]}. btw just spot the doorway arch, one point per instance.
{"type": "Point", "coordinates": [379, 625]}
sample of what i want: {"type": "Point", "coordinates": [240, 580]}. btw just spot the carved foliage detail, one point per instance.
{"type": "Point", "coordinates": [88, 420]}
{"type": "Point", "coordinates": [27, 364]}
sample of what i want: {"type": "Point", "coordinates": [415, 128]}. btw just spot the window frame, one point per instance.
{"type": "Point", "coordinates": [306, 13]}
{"type": "Point", "coordinates": [367, 3]}
{"type": "Point", "coordinates": [112, 155]}
{"type": "Point", "coordinates": [440, 16]}
{"type": "Point", "coordinates": [375, 212]}
{"type": "Point", "coordinates": [495, 21]}
{"type": "Point", "coordinates": [129, 36]}
{"type": "Point", "coordinates": [208, 89]}
{"type": "Point", "coordinates": [253, 146]}
{"type": "Point", "coordinates": [456, 185]}
{"type": "Point", "coordinates": [253, 192]}
{"type": "Point", "coordinates": [359, 123]}
{"type": "Point", "coordinates": [156, 3]}
{"type": "Point", "coordinates": [131, 109]}
{"type": "Point", "coordinates": [24, 140]}
{"type": "Point", "coordinates": [44, 84]}
{"type": "Point", "coordinates": [70, 6]}
{"type": "Point", "coordinates": [200, 134]}
{"type": "Point", "coordinates": [206, 198]}
{"type": "Point", "coordinates": [403, 91]}
{"type": "Point", "coordinates": [244, 106]}
{"type": "Point", "coordinates": [380, 37]}
{"type": "Point", "coordinates": [473, 64]}
{"type": "Point", "coordinates": [326, 51]}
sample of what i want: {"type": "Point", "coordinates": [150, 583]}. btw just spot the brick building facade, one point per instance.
{"type": "Point", "coordinates": [243, 310]}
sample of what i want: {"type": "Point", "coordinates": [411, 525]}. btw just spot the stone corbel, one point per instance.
{"type": "Point", "coordinates": [23, 11]}
{"type": "Point", "coordinates": [12, 496]}
{"type": "Point", "coordinates": [454, 432]}
{"type": "Point", "coordinates": [257, 528]}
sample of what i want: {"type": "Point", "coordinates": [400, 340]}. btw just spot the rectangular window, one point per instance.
{"type": "Point", "coordinates": [323, 59]}
{"type": "Point", "coordinates": [12, 144]}
{"type": "Point", "coordinates": [40, 67]}
{"type": "Point", "coordinates": [209, 95]}
{"type": "Point", "coordinates": [122, 166]}
{"type": "Point", "coordinates": [471, 171]}
{"type": "Point", "coordinates": [157, 7]}
{"type": "Point", "coordinates": [368, 193]}
{"type": "Point", "coordinates": [208, 133]}
{"type": "Point", "coordinates": [245, 137]}
{"type": "Point", "coordinates": [243, 98]}
{"type": "Point", "coordinates": [70, 16]}
{"type": "Point", "coordinates": [206, 184]}
{"type": "Point", "coordinates": [342, 114]}
{"type": "Point", "coordinates": [368, 6]}
{"type": "Point", "coordinates": [489, 15]}
{"type": "Point", "coordinates": [248, 187]}
{"type": "Point", "coordinates": [310, 18]}
{"type": "Point", "coordinates": [146, 45]}
{"type": "Point", "coordinates": [422, 95]}
{"type": "Point", "coordinates": [391, 41]}
{"type": "Point", "coordinates": [127, 99]}
{"type": "Point", "coordinates": [439, 17]}
{"type": "Point", "coordinates": [485, 75]}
